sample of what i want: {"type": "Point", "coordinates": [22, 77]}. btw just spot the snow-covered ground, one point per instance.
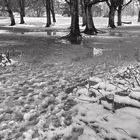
{"type": "Point", "coordinates": [61, 91]}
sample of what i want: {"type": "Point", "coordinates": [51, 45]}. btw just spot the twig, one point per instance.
{"type": "Point", "coordinates": [137, 81]}
{"type": "Point", "coordinates": [91, 101]}
{"type": "Point", "coordinates": [123, 130]}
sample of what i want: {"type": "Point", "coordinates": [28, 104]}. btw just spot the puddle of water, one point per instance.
{"type": "Point", "coordinates": [46, 33]}
{"type": "Point", "coordinates": [114, 35]}
{"type": "Point", "coordinates": [4, 32]}
{"type": "Point", "coordinates": [35, 33]}
{"type": "Point", "coordinates": [10, 43]}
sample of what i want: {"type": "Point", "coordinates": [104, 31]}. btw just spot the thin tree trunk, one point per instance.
{"type": "Point", "coordinates": [11, 17]}
{"type": "Point", "coordinates": [7, 4]}
{"type": "Point", "coordinates": [22, 11]}
{"type": "Point", "coordinates": [90, 28]}
{"type": "Point", "coordinates": [83, 13]}
{"type": "Point", "coordinates": [112, 16]}
{"type": "Point", "coordinates": [139, 16]}
{"type": "Point", "coordinates": [119, 15]}
{"type": "Point", "coordinates": [48, 13]}
{"type": "Point", "coordinates": [52, 11]}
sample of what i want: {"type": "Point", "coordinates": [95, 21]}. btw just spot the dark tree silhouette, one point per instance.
{"type": "Point", "coordinates": [69, 2]}
{"type": "Point", "coordinates": [112, 4]}
{"type": "Point", "coordinates": [49, 10]}
{"type": "Point", "coordinates": [52, 11]}
{"type": "Point", "coordinates": [22, 11]}
{"type": "Point", "coordinates": [83, 12]}
{"type": "Point", "coordinates": [74, 35]}
{"type": "Point", "coordinates": [120, 13]}
{"type": "Point", "coordinates": [121, 6]}
{"type": "Point", "coordinates": [9, 10]}
{"type": "Point", "coordinates": [116, 5]}
{"type": "Point", "coordinates": [139, 11]}
{"type": "Point", "coordinates": [139, 16]}
{"type": "Point", "coordinates": [90, 28]}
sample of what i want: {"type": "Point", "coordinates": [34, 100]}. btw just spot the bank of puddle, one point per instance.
{"type": "Point", "coordinates": [60, 33]}
{"type": "Point", "coordinates": [35, 33]}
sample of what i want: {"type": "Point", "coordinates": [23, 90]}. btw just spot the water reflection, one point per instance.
{"type": "Point", "coordinates": [61, 33]}
{"type": "Point", "coordinates": [35, 33]}
{"type": "Point", "coordinates": [118, 34]}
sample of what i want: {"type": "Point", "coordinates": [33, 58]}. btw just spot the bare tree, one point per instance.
{"type": "Point", "coordinates": [52, 11]}
{"type": "Point", "coordinates": [9, 10]}
{"type": "Point", "coordinates": [49, 4]}
{"type": "Point", "coordinates": [121, 6]}
{"type": "Point", "coordinates": [22, 11]}
{"type": "Point", "coordinates": [48, 9]}
{"type": "Point", "coordinates": [116, 5]}
{"type": "Point", "coordinates": [74, 35]}
{"type": "Point", "coordinates": [112, 4]}
{"type": "Point", "coordinates": [138, 4]}
{"type": "Point", "coordinates": [90, 28]}
{"type": "Point", "coordinates": [83, 12]}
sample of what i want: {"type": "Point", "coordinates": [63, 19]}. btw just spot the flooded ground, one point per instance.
{"type": "Point", "coordinates": [38, 47]}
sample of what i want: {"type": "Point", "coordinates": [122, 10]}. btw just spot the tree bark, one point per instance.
{"type": "Point", "coordinates": [119, 15]}
{"type": "Point", "coordinates": [11, 17]}
{"type": "Point", "coordinates": [48, 9]}
{"type": "Point", "coordinates": [90, 28]}
{"type": "Point", "coordinates": [112, 16]}
{"type": "Point", "coordinates": [74, 36]}
{"type": "Point", "coordinates": [22, 11]}
{"type": "Point", "coordinates": [70, 7]}
{"type": "Point", "coordinates": [83, 13]}
{"type": "Point", "coordinates": [139, 16]}
{"type": "Point", "coordinates": [9, 10]}
{"type": "Point", "coordinates": [52, 11]}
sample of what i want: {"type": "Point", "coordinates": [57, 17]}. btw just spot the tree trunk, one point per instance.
{"type": "Point", "coordinates": [22, 11]}
{"type": "Point", "coordinates": [11, 17]}
{"type": "Point", "coordinates": [83, 13]}
{"type": "Point", "coordinates": [119, 15]}
{"type": "Point", "coordinates": [52, 11]}
{"type": "Point", "coordinates": [70, 6]}
{"type": "Point", "coordinates": [7, 4]}
{"type": "Point", "coordinates": [90, 28]}
{"type": "Point", "coordinates": [111, 17]}
{"type": "Point", "coordinates": [74, 36]}
{"type": "Point", "coordinates": [139, 16]}
{"type": "Point", "coordinates": [48, 9]}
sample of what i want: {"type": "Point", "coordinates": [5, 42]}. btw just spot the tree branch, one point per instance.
{"type": "Point", "coordinates": [68, 2]}
{"type": "Point", "coordinates": [90, 3]}
{"type": "Point", "coordinates": [124, 5]}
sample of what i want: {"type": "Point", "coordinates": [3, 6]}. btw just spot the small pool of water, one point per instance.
{"type": "Point", "coordinates": [35, 33]}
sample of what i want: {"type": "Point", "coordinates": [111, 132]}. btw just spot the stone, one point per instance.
{"type": "Point", "coordinates": [82, 91]}
{"type": "Point", "coordinates": [68, 120]}
{"type": "Point", "coordinates": [28, 134]}
{"type": "Point", "coordinates": [56, 121]}
{"type": "Point", "coordinates": [69, 104]}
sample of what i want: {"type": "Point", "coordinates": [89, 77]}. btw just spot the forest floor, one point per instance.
{"type": "Point", "coordinates": [58, 90]}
